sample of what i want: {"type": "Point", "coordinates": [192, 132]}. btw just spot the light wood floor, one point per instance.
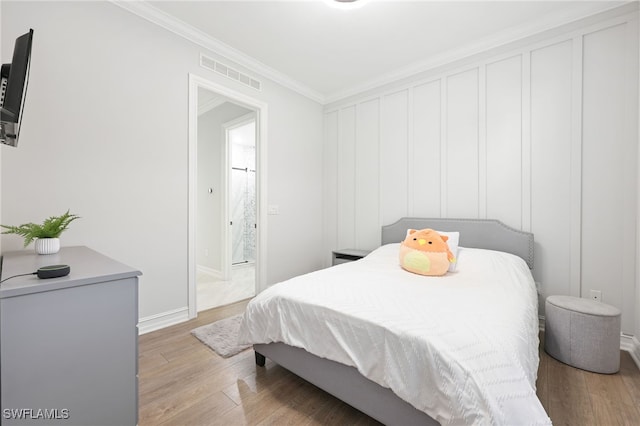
{"type": "Point", "coordinates": [182, 382]}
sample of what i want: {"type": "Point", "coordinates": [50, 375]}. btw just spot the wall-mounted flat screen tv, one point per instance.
{"type": "Point", "coordinates": [13, 86]}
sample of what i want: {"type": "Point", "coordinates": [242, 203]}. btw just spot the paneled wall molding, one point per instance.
{"type": "Point", "coordinates": [411, 164]}
{"type": "Point", "coordinates": [443, 152]}
{"type": "Point", "coordinates": [482, 142]}
{"type": "Point", "coordinates": [367, 189]}
{"type": "Point", "coordinates": [576, 165]}
{"type": "Point", "coordinates": [513, 35]}
{"type": "Point", "coordinates": [330, 178]}
{"type": "Point", "coordinates": [632, 70]}
{"type": "Point", "coordinates": [437, 73]}
{"type": "Point", "coordinates": [526, 142]}
{"type": "Point", "coordinates": [543, 137]}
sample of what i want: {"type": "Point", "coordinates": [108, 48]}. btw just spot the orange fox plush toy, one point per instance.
{"type": "Point", "coordinates": [425, 252]}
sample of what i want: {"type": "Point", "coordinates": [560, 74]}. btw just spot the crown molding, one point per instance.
{"type": "Point", "coordinates": [514, 34]}
{"type": "Point", "coordinates": [558, 19]}
{"type": "Point", "coordinates": [182, 29]}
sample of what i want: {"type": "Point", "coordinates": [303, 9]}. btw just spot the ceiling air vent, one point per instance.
{"type": "Point", "coordinates": [227, 71]}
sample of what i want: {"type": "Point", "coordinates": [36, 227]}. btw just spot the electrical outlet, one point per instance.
{"type": "Point", "coordinates": [206, 252]}
{"type": "Point", "coordinates": [596, 295]}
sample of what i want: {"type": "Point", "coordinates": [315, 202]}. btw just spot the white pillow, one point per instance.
{"type": "Point", "coordinates": [452, 242]}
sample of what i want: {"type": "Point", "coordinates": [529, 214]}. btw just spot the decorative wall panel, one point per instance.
{"type": "Point", "coordinates": [426, 155]}
{"type": "Point", "coordinates": [461, 145]}
{"type": "Point", "coordinates": [543, 138]}
{"type": "Point", "coordinates": [609, 168]}
{"type": "Point", "coordinates": [367, 199]}
{"type": "Point", "coordinates": [346, 176]}
{"type": "Point", "coordinates": [393, 156]}
{"type": "Point", "coordinates": [504, 141]}
{"type": "Point", "coordinates": [551, 86]}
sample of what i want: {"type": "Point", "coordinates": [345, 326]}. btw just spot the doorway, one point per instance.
{"type": "Point", "coordinates": [226, 138]}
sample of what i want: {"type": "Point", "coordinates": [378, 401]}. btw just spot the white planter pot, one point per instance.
{"type": "Point", "coordinates": [47, 245]}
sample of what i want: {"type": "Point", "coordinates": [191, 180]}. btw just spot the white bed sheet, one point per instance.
{"type": "Point", "coordinates": [463, 347]}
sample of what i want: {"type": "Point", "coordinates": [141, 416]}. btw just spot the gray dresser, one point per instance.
{"type": "Point", "coordinates": [69, 345]}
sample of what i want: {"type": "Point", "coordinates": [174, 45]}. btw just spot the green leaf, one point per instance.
{"type": "Point", "coordinates": [52, 227]}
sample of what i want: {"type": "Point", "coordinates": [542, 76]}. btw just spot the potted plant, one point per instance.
{"type": "Point", "coordinates": [46, 236]}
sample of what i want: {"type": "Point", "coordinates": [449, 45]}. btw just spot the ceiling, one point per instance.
{"type": "Point", "coordinates": [331, 53]}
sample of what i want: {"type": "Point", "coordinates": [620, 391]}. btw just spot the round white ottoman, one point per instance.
{"type": "Point", "coordinates": [583, 333]}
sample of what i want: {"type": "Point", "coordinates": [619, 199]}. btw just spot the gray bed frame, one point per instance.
{"type": "Point", "coordinates": [345, 382]}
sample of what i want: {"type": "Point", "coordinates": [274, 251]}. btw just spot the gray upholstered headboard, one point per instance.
{"type": "Point", "coordinates": [474, 233]}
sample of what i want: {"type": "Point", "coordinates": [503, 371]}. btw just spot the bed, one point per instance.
{"type": "Point", "coordinates": [409, 349]}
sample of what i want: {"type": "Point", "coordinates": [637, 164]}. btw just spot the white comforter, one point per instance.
{"type": "Point", "coordinates": [463, 347]}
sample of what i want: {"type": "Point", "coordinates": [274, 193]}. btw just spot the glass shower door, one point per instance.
{"type": "Point", "coordinates": [243, 194]}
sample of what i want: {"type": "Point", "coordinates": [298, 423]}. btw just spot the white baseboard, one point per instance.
{"type": "Point", "coordinates": [162, 320]}
{"type": "Point", "coordinates": [628, 343]}
{"type": "Point", "coordinates": [631, 344]}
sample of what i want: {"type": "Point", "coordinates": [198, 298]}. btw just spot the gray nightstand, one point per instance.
{"type": "Point", "coordinates": [348, 255]}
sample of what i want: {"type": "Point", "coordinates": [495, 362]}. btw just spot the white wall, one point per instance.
{"type": "Point", "coordinates": [105, 134]}
{"type": "Point", "coordinates": [542, 136]}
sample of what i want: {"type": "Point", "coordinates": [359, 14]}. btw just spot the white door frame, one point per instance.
{"type": "Point", "coordinates": [227, 240]}
{"type": "Point", "coordinates": [260, 108]}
